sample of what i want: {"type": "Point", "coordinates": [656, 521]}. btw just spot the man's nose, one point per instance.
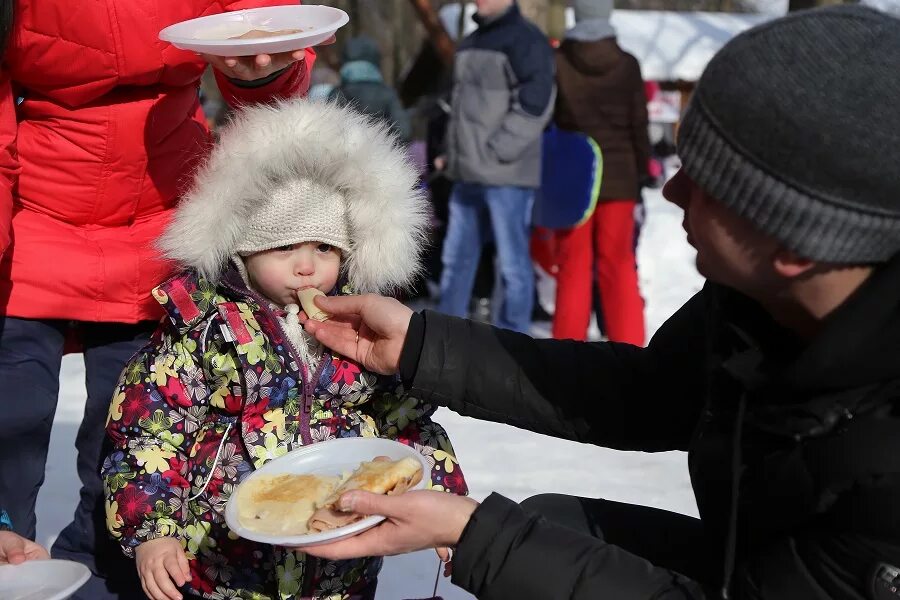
{"type": "Point", "coordinates": [678, 189]}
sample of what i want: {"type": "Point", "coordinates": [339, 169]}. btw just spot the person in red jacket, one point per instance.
{"type": "Point", "coordinates": [100, 126]}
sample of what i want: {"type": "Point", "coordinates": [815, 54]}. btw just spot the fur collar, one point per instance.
{"type": "Point", "coordinates": [266, 145]}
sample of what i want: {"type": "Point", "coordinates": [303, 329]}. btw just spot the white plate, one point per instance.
{"type": "Point", "coordinates": [209, 35]}
{"type": "Point", "coordinates": [332, 457]}
{"type": "Point", "coordinates": [42, 579]}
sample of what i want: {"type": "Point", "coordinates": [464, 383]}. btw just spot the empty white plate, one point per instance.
{"type": "Point", "coordinates": [42, 579]}
{"type": "Point", "coordinates": [210, 35]}
{"type": "Point", "coordinates": [332, 457]}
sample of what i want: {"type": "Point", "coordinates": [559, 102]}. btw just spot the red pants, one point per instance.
{"type": "Point", "coordinates": [607, 241]}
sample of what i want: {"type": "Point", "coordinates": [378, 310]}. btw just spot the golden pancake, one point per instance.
{"type": "Point", "coordinates": [306, 297]}
{"type": "Point", "coordinates": [381, 476]}
{"type": "Point", "coordinates": [282, 504]}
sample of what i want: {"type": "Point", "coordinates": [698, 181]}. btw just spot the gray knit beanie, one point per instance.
{"type": "Point", "coordinates": [795, 126]}
{"type": "Point", "coordinates": [592, 9]}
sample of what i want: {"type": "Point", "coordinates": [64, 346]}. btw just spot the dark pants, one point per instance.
{"type": "Point", "coordinates": [30, 356]}
{"type": "Point", "coordinates": [665, 539]}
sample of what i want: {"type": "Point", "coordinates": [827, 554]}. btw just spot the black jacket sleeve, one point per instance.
{"type": "Point", "coordinates": [615, 395]}
{"type": "Point", "coordinates": [507, 553]}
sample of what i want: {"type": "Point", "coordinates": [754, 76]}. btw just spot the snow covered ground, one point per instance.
{"type": "Point", "coordinates": [494, 457]}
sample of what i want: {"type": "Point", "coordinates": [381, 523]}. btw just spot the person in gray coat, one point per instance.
{"type": "Point", "coordinates": [503, 95]}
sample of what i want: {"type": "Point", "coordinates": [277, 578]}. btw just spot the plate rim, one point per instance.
{"type": "Point", "coordinates": [343, 19]}
{"type": "Point", "coordinates": [85, 574]}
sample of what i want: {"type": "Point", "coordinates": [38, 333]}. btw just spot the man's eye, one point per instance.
{"type": "Point", "coordinates": [324, 248]}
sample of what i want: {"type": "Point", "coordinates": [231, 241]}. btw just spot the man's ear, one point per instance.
{"type": "Point", "coordinates": [789, 264]}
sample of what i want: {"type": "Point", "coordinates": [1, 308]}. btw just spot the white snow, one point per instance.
{"type": "Point", "coordinates": [494, 457]}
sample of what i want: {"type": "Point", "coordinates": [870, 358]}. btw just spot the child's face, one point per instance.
{"type": "Point", "coordinates": [279, 273]}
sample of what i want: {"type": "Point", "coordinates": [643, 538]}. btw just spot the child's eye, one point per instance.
{"type": "Point", "coordinates": [324, 248]}
{"type": "Point", "coordinates": [284, 248]}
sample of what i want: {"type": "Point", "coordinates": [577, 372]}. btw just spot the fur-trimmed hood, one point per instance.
{"type": "Point", "coordinates": [267, 146]}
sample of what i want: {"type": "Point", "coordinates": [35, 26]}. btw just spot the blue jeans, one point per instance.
{"type": "Point", "coordinates": [476, 212]}
{"type": "Point", "coordinates": [30, 354]}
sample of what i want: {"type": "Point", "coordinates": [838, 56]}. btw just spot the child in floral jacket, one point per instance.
{"type": "Point", "coordinates": [296, 195]}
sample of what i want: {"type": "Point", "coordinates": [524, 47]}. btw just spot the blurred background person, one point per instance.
{"type": "Point", "coordinates": [502, 98]}
{"type": "Point", "coordinates": [363, 86]}
{"type": "Point", "coordinates": [601, 94]}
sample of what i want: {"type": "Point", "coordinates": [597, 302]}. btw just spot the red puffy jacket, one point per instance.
{"type": "Point", "coordinates": [94, 157]}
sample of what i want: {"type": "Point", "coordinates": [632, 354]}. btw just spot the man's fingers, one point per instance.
{"type": "Point", "coordinates": [340, 339]}
{"type": "Point", "coordinates": [342, 305]}
{"type": "Point", "coordinates": [37, 552]}
{"type": "Point", "coordinates": [346, 321]}
{"type": "Point", "coordinates": [15, 550]}
{"type": "Point", "coordinates": [365, 544]}
{"type": "Point", "coordinates": [443, 554]}
{"type": "Point", "coordinates": [366, 503]}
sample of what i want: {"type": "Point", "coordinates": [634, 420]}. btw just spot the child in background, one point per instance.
{"type": "Point", "coordinates": [296, 195]}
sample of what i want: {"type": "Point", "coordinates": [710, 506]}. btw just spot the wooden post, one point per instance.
{"type": "Point", "coordinates": [436, 32]}
{"type": "Point", "coordinates": [556, 20]}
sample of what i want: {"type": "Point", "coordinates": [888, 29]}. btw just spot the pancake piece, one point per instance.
{"type": "Point", "coordinates": [282, 504]}
{"type": "Point", "coordinates": [381, 476]}
{"type": "Point", "coordinates": [306, 297]}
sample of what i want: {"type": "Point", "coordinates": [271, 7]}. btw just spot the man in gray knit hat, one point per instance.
{"type": "Point", "coordinates": [781, 378]}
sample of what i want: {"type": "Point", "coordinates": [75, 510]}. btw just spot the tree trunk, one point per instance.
{"type": "Point", "coordinates": [536, 11]}
{"type": "Point", "coordinates": [556, 19]}
{"type": "Point", "coordinates": [436, 32]}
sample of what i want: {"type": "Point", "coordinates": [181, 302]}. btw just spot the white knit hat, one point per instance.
{"type": "Point", "coordinates": [299, 211]}
{"type": "Point", "coordinates": [301, 170]}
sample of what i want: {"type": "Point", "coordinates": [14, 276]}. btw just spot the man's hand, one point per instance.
{"type": "Point", "coordinates": [249, 68]}
{"type": "Point", "coordinates": [414, 521]}
{"type": "Point", "coordinates": [366, 329]}
{"type": "Point", "coordinates": [15, 549]}
{"type": "Point", "coordinates": [162, 565]}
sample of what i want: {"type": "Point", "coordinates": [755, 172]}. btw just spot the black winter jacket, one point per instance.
{"type": "Point", "coordinates": [806, 435]}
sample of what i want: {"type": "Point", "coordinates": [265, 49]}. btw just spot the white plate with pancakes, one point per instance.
{"type": "Point", "coordinates": [254, 31]}
{"type": "Point", "coordinates": [288, 501]}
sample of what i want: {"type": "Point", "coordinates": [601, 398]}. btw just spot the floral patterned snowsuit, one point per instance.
{"type": "Point", "coordinates": [219, 379]}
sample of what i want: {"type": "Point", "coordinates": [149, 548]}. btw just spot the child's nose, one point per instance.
{"type": "Point", "coordinates": [304, 265]}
